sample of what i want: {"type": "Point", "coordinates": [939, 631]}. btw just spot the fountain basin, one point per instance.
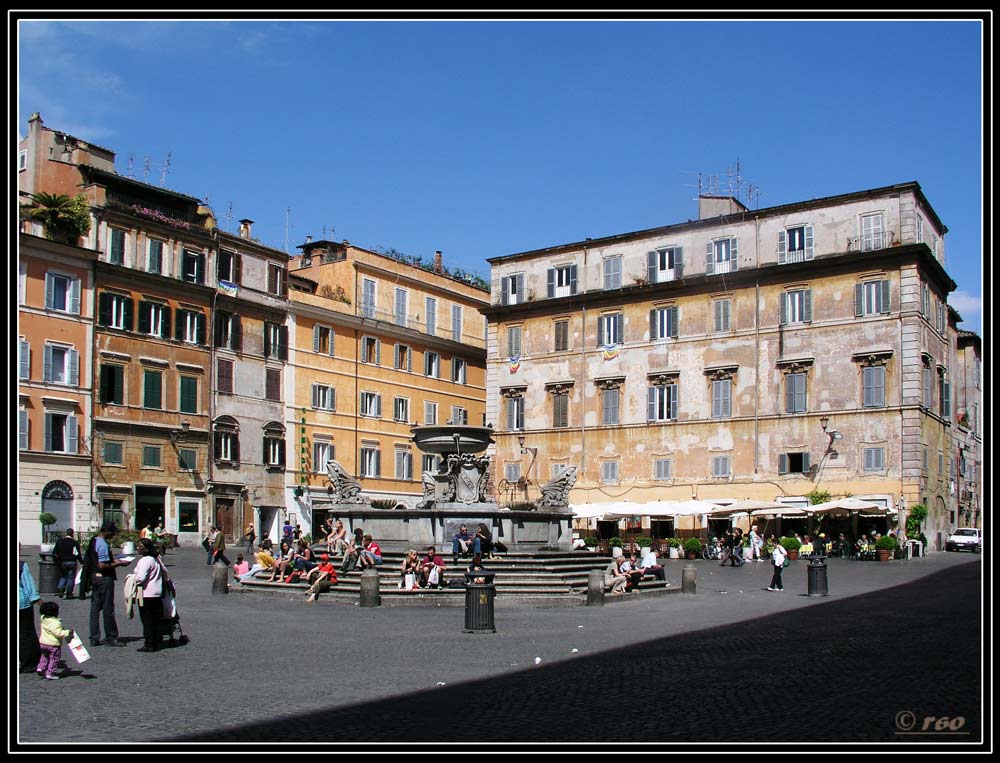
{"type": "Point", "coordinates": [445, 439]}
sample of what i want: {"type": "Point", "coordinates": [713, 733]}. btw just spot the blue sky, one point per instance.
{"type": "Point", "coordinates": [487, 138]}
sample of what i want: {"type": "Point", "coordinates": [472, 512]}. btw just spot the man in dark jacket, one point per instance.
{"type": "Point", "coordinates": [102, 565]}
{"type": "Point", "coordinates": [66, 555]}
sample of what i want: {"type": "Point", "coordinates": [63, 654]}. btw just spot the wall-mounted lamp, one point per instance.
{"type": "Point", "coordinates": [833, 434]}
{"type": "Point", "coordinates": [176, 435]}
{"type": "Point", "coordinates": [524, 450]}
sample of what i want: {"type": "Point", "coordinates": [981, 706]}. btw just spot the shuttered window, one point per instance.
{"type": "Point", "coordinates": [662, 401]}
{"type": "Point", "coordinates": [23, 426]}
{"type": "Point", "coordinates": [272, 384]}
{"type": "Point", "coordinates": [610, 400]}
{"type": "Point", "coordinates": [795, 244]}
{"type": "Point", "coordinates": [515, 413]}
{"type": "Point", "coordinates": [874, 459]}
{"type": "Point", "coordinates": [661, 469]}
{"type": "Point", "coordinates": [24, 356]}
{"type": "Point", "coordinates": [609, 472]}
{"type": "Point", "coordinates": [371, 404]}
{"type": "Point", "coordinates": [561, 281]}
{"type": "Point", "coordinates": [152, 389]}
{"type": "Point", "coordinates": [561, 331]}
{"type": "Point", "coordinates": [560, 410]}
{"type": "Point", "coordinates": [664, 323]}
{"type": "Point", "coordinates": [62, 293]}
{"type": "Point", "coordinates": [224, 376]}
{"type": "Point", "coordinates": [613, 272]}
{"type": "Point", "coordinates": [371, 461]}
{"type": "Point", "coordinates": [872, 298]}
{"type": "Point", "coordinates": [722, 391]}
{"type": "Point", "coordinates": [323, 397]}
{"type": "Point", "coordinates": [610, 329]}
{"type": "Point", "coordinates": [795, 393]}
{"type": "Point", "coordinates": [720, 312]}
{"type": "Point", "coordinates": [721, 466]}
{"type": "Point", "coordinates": [116, 247]}
{"type": "Point", "coordinates": [796, 306]}
{"type": "Point", "coordinates": [189, 394]}
{"type": "Point", "coordinates": [112, 391]}
{"type": "Point", "coordinates": [873, 383]}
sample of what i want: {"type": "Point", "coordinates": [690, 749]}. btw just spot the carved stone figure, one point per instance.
{"type": "Point", "coordinates": [430, 490]}
{"type": "Point", "coordinates": [346, 489]}
{"type": "Point", "coordinates": [555, 493]}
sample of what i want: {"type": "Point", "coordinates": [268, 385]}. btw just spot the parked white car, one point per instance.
{"type": "Point", "coordinates": [965, 539]}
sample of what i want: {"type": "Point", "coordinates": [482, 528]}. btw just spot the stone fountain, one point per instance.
{"type": "Point", "coordinates": [457, 493]}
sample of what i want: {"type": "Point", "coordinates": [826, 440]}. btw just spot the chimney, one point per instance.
{"type": "Point", "coordinates": [309, 239]}
{"type": "Point", "coordinates": [438, 262]}
{"type": "Point", "coordinates": [245, 228]}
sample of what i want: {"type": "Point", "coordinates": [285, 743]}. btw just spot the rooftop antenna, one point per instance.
{"type": "Point", "coordinates": [145, 170]}
{"type": "Point", "coordinates": [166, 169]}
{"type": "Point", "coordinates": [130, 169]}
{"type": "Point", "coordinates": [228, 217]}
{"type": "Point", "coordinates": [288, 213]}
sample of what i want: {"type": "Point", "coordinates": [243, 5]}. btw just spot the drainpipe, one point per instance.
{"type": "Point", "coordinates": [756, 391]}
{"type": "Point", "coordinates": [210, 338]}
{"type": "Point", "coordinates": [583, 360]}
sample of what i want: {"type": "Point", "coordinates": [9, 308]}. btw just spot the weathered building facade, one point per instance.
{"type": "Point", "coordinates": [748, 354]}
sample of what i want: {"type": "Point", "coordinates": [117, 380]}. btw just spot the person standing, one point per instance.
{"type": "Point", "coordinates": [66, 554]}
{"type": "Point", "coordinates": [102, 568]}
{"type": "Point", "coordinates": [29, 651]}
{"type": "Point", "coordinates": [50, 642]}
{"type": "Point", "coordinates": [219, 548]}
{"type": "Point", "coordinates": [754, 544]}
{"type": "Point", "coordinates": [250, 535]}
{"type": "Point", "coordinates": [736, 556]}
{"type": "Point", "coordinates": [151, 577]}
{"type": "Point", "coordinates": [209, 542]}
{"type": "Point", "coordinates": [778, 559]}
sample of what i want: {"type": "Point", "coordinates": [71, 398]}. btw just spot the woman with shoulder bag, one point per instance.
{"type": "Point", "coordinates": [778, 558]}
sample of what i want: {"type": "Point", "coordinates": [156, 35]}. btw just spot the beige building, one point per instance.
{"type": "Point", "coordinates": [376, 344]}
{"type": "Point", "coordinates": [761, 354]}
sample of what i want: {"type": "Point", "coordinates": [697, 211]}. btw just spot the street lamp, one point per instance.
{"type": "Point", "coordinates": [525, 451]}
{"type": "Point", "coordinates": [833, 434]}
{"type": "Point", "coordinates": [176, 435]}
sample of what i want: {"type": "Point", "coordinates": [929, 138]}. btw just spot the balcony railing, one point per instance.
{"type": "Point", "coordinates": [869, 242]}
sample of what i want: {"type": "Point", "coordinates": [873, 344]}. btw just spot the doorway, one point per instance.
{"type": "Point", "coordinates": [150, 503]}
{"type": "Point", "coordinates": [225, 518]}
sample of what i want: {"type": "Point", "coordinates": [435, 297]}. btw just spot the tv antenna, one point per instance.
{"type": "Point", "coordinates": [228, 217]}
{"type": "Point", "coordinates": [288, 214]}
{"type": "Point", "coordinates": [166, 169]}
{"type": "Point", "coordinates": [145, 169]}
{"type": "Point", "coordinates": [130, 169]}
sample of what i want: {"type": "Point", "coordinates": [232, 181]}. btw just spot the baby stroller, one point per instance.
{"type": "Point", "coordinates": [171, 623]}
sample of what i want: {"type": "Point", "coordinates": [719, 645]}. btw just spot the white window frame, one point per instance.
{"type": "Point", "coordinates": [370, 404]}
{"type": "Point", "coordinates": [663, 469]}
{"type": "Point", "coordinates": [430, 315]}
{"type": "Point", "coordinates": [610, 472]}
{"type": "Point", "coordinates": [400, 302]}
{"type": "Point", "coordinates": [606, 410]}
{"type": "Point", "coordinates": [70, 439]}
{"type": "Point", "coordinates": [721, 315]}
{"type": "Point", "coordinates": [665, 267]}
{"type": "Point", "coordinates": [432, 364]}
{"type": "Point", "coordinates": [69, 366]}
{"type": "Point", "coordinates": [514, 341]}
{"type": "Point", "coordinates": [190, 319]}
{"type": "Point", "coordinates": [873, 236]}
{"type": "Point", "coordinates": [512, 471]}
{"type": "Point", "coordinates": [722, 467]}
{"type": "Point", "coordinates": [459, 370]}
{"type": "Point", "coordinates": [401, 409]}
{"type": "Point", "coordinates": [612, 271]}
{"type": "Point", "coordinates": [512, 289]}
{"type": "Point", "coordinates": [430, 412]}
{"type": "Point", "coordinates": [71, 300]}
{"type": "Point", "coordinates": [323, 393]}
{"type": "Point", "coordinates": [665, 403]}
{"type": "Point", "coordinates": [370, 460]}
{"type": "Point", "coordinates": [722, 398]}
{"type": "Point", "coordinates": [873, 459]}
{"type": "Point", "coordinates": [369, 289]}
{"type": "Point", "coordinates": [322, 452]}
{"type": "Point", "coordinates": [514, 414]}
{"type": "Point", "coordinates": [459, 415]}
{"type": "Point", "coordinates": [404, 463]}
{"type": "Point", "coordinates": [456, 323]}
{"type": "Point", "coordinates": [611, 328]}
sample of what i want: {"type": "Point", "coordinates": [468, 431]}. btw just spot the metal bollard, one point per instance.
{"type": "Point", "coordinates": [220, 578]}
{"type": "Point", "coordinates": [479, 602]}
{"type": "Point", "coordinates": [687, 580]}
{"type": "Point", "coordinates": [816, 581]}
{"type": "Point", "coordinates": [370, 596]}
{"type": "Point", "coordinates": [595, 588]}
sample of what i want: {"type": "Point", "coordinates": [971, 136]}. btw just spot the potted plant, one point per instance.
{"type": "Point", "coordinates": [591, 542]}
{"type": "Point", "coordinates": [63, 218]}
{"type": "Point", "coordinates": [692, 547]}
{"type": "Point", "coordinates": [792, 546]}
{"type": "Point", "coordinates": [46, 519]}
{"type": "Point", "coordinates": [675, 547]}
{"type": "Point", "coordinates": [616, 546]}
{"type": "Point", "coordinates": [886, 547]}
{"type": "Point", "coordinates": [644, 544]}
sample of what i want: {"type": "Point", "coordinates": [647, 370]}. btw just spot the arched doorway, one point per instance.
{"type": "Point", "coordinates": [57, 499]}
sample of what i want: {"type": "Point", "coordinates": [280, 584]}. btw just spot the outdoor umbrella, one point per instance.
{"type": "Point", "coordinates": [848, 505]}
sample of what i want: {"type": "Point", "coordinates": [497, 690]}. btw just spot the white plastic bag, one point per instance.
{"type": "Point", "coordinates": [78, 649]}
{"type": "Point", "coordinates": [435, 575]}
{"type": "Point", "coordinates": [408, 581]}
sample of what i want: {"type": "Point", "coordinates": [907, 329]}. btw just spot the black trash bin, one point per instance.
{"type": "Point", "coordinates": [479, 602]}
{"type": "Point", "coordinates": [816, 572]}
{"type": "Point", "coordinates": [48, 574]}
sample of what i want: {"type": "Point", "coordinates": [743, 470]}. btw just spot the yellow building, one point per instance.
{"type": "Point", "coordinates": [376, 344]}
{"type": "Point", "coordinates": [758, 354]}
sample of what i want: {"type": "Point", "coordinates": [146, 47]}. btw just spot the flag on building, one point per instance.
{"type": "Point", "coordinates": [228, 288]}
{"type": "Point", "coordinates": [610, 351]}
{"type": "Point", "coordinates": [515, 364]}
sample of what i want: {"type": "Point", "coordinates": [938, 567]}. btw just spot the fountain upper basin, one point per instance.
{"type": "Point", "coordinates": [444, 439]}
